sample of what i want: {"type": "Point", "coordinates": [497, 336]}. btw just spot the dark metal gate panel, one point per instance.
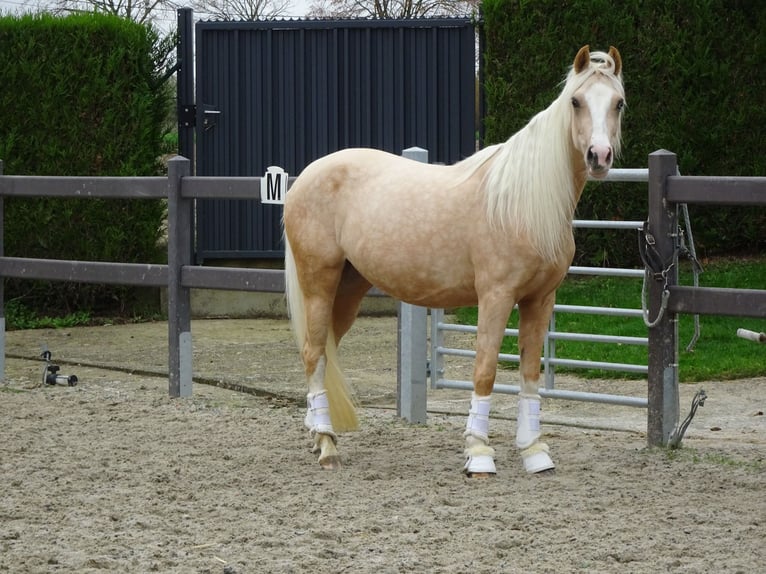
{"type": "Point", "coordinates": [288, 92]}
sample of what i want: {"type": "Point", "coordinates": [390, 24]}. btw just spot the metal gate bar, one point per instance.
{"type": "Point", "coordinates": [626, 401]}
{"type": "Point", "coordinates": [439, 351]}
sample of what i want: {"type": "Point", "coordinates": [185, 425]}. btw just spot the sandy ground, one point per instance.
{"type": "Point", "coordinates": [113, 476]}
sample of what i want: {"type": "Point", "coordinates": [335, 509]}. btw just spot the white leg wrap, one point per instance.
{"type": "Point", "coordinates": [528, 421]}
{"type": "Point", "coordinates": [477, 424]}
{"type": "Point", "coordinates": [480, 457]}
{"type": "Point", "coordinates": [318, 415]}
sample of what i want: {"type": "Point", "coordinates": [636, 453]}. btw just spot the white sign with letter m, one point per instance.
{"type": "Point", "coordinates": [274, 185]}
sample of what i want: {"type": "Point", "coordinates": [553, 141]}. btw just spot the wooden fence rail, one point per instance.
{"type": "Point", "coordinates": [666, 298]}
{"type": "Point", "coordinates": [179, 275]}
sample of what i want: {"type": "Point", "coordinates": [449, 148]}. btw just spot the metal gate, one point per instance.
{"type": "Point", "coordinates": [288, 92]}
{"type": "Point", "coordinates": [413, 383]}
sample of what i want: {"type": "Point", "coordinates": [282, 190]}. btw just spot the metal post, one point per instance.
{"type": "Point", "coordinates": [412, 346]}
{"type": "Point", "coordinates": [2, 288]}
{"type": "Point", "coordinates": [180, 211]}
{"type": "Point", "coordinates": [663, 337]}
{"type": "Point", "coordinates": [185, 85]}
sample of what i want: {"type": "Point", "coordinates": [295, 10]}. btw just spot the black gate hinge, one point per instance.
{"type": "Point", "coordinates": [187, 115]}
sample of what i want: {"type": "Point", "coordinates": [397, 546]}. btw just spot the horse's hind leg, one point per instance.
{"type": "Point", "coordinates": [339, 309]}
{"type": "Point", "coordinates": [533, 323]}
{"type": "Point", "coordinates": [318, 303]}
{"type": "Point", "coordinates": [315, 363]}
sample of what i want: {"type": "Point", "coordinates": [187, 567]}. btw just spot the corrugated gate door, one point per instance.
{"type": "Point", "coordinates": [288, 92]}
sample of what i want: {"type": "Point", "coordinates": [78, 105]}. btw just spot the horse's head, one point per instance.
{"type": "Point", "coordinates": [596, 97]}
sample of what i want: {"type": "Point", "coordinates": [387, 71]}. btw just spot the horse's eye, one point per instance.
{"type": "Point", "coordinates": [575, 103]}
{"type": "Point", "coordinates": [620, 105]}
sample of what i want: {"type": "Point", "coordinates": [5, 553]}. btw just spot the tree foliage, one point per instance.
{"type": "Point", "coordinates": [150, 11]}
{"type": "Point", "coordinates": [694, 83]}
{"type": "Point", "coordinates": [247, 10]}
{"type": "Point", "coordinates": [140, 11]}
{"type": "Point", "coordinates": [80, 95]}
{"type": "Point", "coordinates": [398, 9]}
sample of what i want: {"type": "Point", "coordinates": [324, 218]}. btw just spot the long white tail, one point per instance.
{"type": "Point", "coordinates": [339, 394]}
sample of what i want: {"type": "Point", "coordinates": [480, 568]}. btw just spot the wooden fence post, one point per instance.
{"type": "Point", "coordinates": [180, 220]}
{"type": "Point", "coordinates": [412, 346]}
{"type": "Point", "coordinates": [663, 337]}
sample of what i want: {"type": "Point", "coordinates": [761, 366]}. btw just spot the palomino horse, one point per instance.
{"type": "Point", "coordinates": [494, 229]}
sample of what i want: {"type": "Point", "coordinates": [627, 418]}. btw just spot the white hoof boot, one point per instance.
{"type": "Point", "coordinates": [479, 457]}
{"type": "Point", "coordinates": [479, 464]}
{"type": "Point", "coordinates": [536, 458]}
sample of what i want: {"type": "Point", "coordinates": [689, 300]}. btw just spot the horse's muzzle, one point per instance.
{"type": "Point", "coordinates": [599, 158]}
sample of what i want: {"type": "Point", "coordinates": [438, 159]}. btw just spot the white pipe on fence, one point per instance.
{"type": "Point", "coordinates": [751, 335]}
{"type": "Point", "coordinates": [605, 224]}
{"type": "Point", "coordinates": [594, 338]}
{"type": "Point", "coordinates": [607, 272]}
{"type": "Point", "coordinates": [611, 311]}
{"type": "Point", "coordinates": [638, 402]}
{"type": "Point", "coordinates": [575, 363]}
{"type": "Point", "coordinates": [639, 174]}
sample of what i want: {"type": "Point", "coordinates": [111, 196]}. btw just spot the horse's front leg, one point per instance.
{"type": "Point", "coordinates": [534, 318]}
{"type": "Point", "coordinates": [493, 317]}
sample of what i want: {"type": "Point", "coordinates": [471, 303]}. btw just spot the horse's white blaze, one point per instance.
{"type": "Point", "coordinates": [599, 99]}
{"type": "Point", "coordinates": [595, 125]}
{"type": "Point", "coordinates": [601, 105]}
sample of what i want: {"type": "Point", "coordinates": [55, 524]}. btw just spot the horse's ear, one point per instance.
{"type": "Point", "coordinates": [582, 59]}
{"type": "Point", "coordinates": [615, 54]}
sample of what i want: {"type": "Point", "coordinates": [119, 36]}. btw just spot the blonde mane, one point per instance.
{"type": "Point", "coordinates": [529, 186]}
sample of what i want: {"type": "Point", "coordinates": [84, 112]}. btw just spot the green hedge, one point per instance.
{"type": "Point", "coordinates": [80, 95]}
{"type": "Point", "coordinates": [695, 84]}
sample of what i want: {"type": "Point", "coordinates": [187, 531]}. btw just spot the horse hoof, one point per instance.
{"type": "Point", "coordinates": [538, 462]}
{"type": "Point", "coordinates": [480, 475]}
{"type": "Point", "coordinates": [330, 462]}
{"type": "Point", "coordinates": [479, 466]}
